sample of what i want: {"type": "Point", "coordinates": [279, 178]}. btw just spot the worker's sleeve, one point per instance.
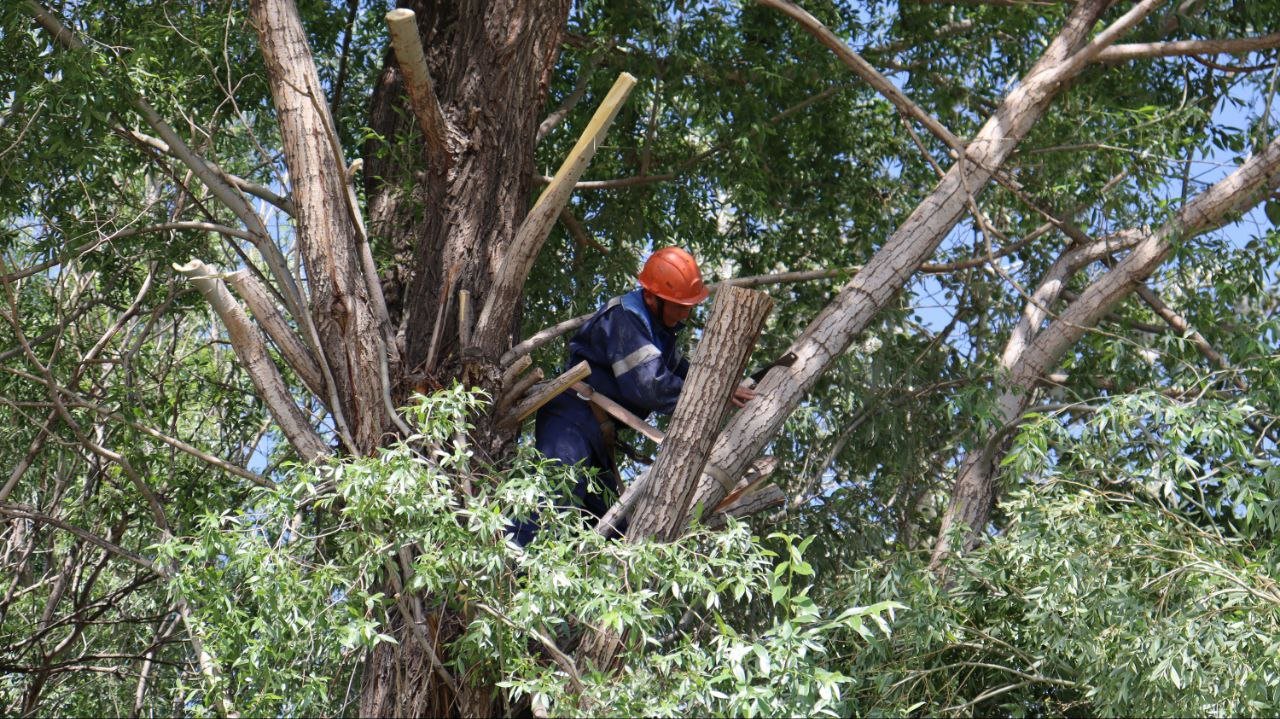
{"type": "Point", "coordinates": [644, 380]}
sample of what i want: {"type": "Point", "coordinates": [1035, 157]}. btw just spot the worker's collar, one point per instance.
{"type": "Point", "coordinates": [657, 321]}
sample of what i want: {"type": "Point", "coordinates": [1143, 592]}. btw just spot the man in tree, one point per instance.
{"type": "Point", "coordinates": [631, 344]}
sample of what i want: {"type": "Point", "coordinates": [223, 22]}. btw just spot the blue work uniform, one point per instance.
{"type": "Point", "coordinates": [635, 360]}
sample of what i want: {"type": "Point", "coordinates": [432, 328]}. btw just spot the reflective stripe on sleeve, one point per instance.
{"type": "Point", "coordinates": [635, 359]}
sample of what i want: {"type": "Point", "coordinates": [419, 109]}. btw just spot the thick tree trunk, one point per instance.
{"type": "Point", "coordinates": [491, 64]}
{"type": "Point", "coordinates": [449, 221]}
{"type": "Point", "coordinates": [346, 328]}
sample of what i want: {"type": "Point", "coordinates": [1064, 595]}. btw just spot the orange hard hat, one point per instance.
{"type": "Point", "coordinates": [672, 274]}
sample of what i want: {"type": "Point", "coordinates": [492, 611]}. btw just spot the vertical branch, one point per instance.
{"type": "Point", "coordinates": [351, 342]}
{"type": "Point", "coordinates": [736, 320]}
{"type": "Point", "coordinates": [490, 330]}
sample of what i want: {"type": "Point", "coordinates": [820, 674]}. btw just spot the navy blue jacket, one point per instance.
{"type": "Point", "coordinates": [635, 361]}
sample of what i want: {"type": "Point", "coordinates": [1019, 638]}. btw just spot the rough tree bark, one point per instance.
{"type": "Point", "coordinates": [737, 317]}
{"type": "Point", "coordinates": [1030, 354]}
{"type": "Point", "coordinates": [467, 193]}
{"type": "Point", "coordinates": [491, 64]}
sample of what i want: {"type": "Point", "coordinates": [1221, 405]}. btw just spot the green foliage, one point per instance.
{"type": "Point", "coordinates": [286, 595]}
{"type": "Point", "coordinates": [1132, 573]}
{"type": "Point", "coordinates": [1110, 592]}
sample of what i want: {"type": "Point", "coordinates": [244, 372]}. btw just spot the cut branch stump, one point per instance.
{"type": "Point", "coordinates": [403, 27]}
{"type": "Point", "coordinates": [544, 394]}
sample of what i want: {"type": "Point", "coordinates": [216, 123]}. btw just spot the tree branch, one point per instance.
{"type": "Point", "coordinates": [614, 184]}
{"type": "Point", "coordinates": [291, 346]}
{"type": "Point", "coordinates": [865, 71]}
{"type": "Point", "coordinates": [736, 319]}
{"type": "Point", "coordinates": [1135, 51]}
{"type": "Point", "coordinates": [224, 191]}
{"type": "Point", "coordinates": [252, 188]}
{"type": "Point", "coordinates": [491, 328]}
{"type": "Point", "coordinates": [23, 511]}
{"type": "Point", "coordinates": [403, 25]}
{"type": "Point", "coordinates": [571, 100]}
{"type": "Point", "coordinates": [250, 348]}
{"type": "Point", "coordinates": [835, 327]}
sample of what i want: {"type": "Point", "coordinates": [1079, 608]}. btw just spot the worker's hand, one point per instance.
{"type": "Point", "coordinates": [742, 395]}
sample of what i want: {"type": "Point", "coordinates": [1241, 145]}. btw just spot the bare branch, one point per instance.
{"type": "Point", "coordinates": [736, 319]}
{"type": "Point", "coordinates": [24, 511]}
{"type": "Point", "coordinates": [291, 346]}
{"type": "Point", "coordinates": [347, 332]}
{"type": "Point", "coordinates": [545, 393]}
{"type": "Point", "coordinates": [490, 331]}
{"type": "Point", "coordinates": [615, 184]}
{"type": "Point", "coordinates": [1249, 184]}
{"type": "Point", "coordinates": [252, 351]}
{"type": "Point", "coordinates": [512, 371]}
{"type": "Point", "coordinates": [177, 444]}
{"type": "Point", "coordinates": [251, 188]}
{"type": "Point", "coordinates": [571, 100]}
{"type": "Point", "coordinates": [579, 233]}
{"type": "Point", "coordinates": [974, 495]}
{"type": "Point", "coordinates": [518, 390]}
{"type": "Point", "coordinates": [1135, 51]}
{"type": "Point", "coordinates": [864, 70]}
{"type": "Point", "coordinates": [403, 25]}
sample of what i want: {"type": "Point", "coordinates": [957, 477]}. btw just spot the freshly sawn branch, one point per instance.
{"type": "Point", "coordinates": [491, 328]}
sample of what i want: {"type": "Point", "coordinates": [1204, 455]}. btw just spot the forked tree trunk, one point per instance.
{"type": "Point", "coordinates": [449, 220]}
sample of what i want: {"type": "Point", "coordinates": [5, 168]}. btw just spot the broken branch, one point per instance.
{"type": "Point", "coordinates": [518, 390]}
{"type": "Point", "coordinates": [249, 346]}
{"type": "Point", "coordinates": [549, 391]}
